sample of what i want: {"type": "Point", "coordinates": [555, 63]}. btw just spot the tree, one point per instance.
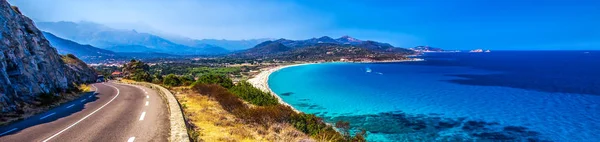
{"type": "Point", "coordinates": [141, 75]}
{"type": "Point", "coordinates": [137, 70]}
{"type": "Point", "coordinates": [157, 78]}
{"type": "Point", "coordinates": [171, 80]}
{"type": "Point", "coordinates": [186, 79]}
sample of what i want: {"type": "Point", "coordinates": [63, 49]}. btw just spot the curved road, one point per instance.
{"type": "Point", "coordinates": [114, 112]}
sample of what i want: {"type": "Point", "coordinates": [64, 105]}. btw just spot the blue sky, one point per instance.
{"type": "Point", "coordinates": [449, 24]}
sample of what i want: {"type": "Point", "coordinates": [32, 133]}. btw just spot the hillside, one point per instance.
{"type": "Point", "coordinates": [86, 53]}
{"type": "Point", "coordinates": [324, 48]}
{"type": "Point", "coordinates": [426, 49]}
{"type": "Point", "coordinates": [108, 38]}
{"type": "Point", "coordinates": [29, 65]}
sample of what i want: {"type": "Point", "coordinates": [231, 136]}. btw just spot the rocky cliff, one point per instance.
{"type": "Point", "coordinates": [29, 66]}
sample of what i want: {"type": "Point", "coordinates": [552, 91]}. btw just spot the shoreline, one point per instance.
{"type": "Point", "coordinates": [261, 80]}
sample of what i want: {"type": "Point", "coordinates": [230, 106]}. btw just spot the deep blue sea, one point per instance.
{"type": "Point", "coordinates": [497, 96]}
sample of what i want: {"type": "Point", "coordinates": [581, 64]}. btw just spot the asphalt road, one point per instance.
{"type": "Point", "coordinates": [114, 112]}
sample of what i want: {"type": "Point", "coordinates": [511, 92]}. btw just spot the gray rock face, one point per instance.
{"type": "Point", "coordinates": [29, 66]}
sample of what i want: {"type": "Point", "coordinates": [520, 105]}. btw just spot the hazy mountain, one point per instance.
{"type": "Point", "coordinates": [91, 54]}
{"type": "Point", "coordinates": [86, 53]}
{"type": "Point", "coordinates": [231, 45]}
{"type": "Point", "coordinates": [108, 38]}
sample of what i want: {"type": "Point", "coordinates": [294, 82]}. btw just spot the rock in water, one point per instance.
{"type": "Point", "coordinates": [29, 66]}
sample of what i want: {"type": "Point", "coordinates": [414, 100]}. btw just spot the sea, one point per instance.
{"type": "Point", "coordinates": [495, 96]}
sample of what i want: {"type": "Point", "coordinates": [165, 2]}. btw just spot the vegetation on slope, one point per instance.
{"type": "Point", "coordinates": [253, 95]}
{"type": "Point", "coordinates": [208, 121]}
{"type": "Point", "coordinates": [247, 105]}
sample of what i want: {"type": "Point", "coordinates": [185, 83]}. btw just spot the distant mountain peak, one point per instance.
{"type": "Point", "coordinates": [349, 38]}
{"type": "Point", "coordinates": [326, 38]}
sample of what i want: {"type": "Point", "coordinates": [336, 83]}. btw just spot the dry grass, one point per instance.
{"type": "Point", "coordinates": [84, 88]}
{"type": "Point", "coordinates": [128, 81]}
{"type": "Point", "coordinates": [210, 122]}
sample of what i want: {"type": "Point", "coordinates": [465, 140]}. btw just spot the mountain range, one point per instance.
{"type": "Point", "coordinates": [91, 54]}
{"type": "Point", "coordinates": [231, 45]}
{"type": "Point", "coordinates": [119, 40]}
{"type": "Point", "coordinates": [323, 48]}
{"type": "Point", "coordinates": [87, 53]}
{"type": "Point", "coordinates": [123, 40]}
{"type": "Point", "coordinates": [96, 43]}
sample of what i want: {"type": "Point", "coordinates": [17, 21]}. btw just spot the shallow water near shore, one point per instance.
{"type": "Point", "coordinates": [508, 95]}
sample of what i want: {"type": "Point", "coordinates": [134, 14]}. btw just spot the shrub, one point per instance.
{"type": "Point", "coordinates": [141, 75]}
{"type": "Point", "coordinates": [171, 80]}
{"type": "Point", "coordinates": [273, 113]}
{"type": "Point", "coordinates": [215, 79]}
{"type": "Point", "coordinates": [308, 123]}
{"type": "Point", "coordinates": [186, 80]}
{"type": "Point", "coordinates": [253, 95]}
{"type": "Point", "coordinates": [267, 114]}
{"type": "Point", "coordinates": [228, 101]}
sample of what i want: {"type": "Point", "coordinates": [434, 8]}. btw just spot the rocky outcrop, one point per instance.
{"type": "Point", "coordinates": [29, 66]}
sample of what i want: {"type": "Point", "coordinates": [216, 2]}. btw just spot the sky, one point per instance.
{"type": "Point", "coordinates": [448, 24]}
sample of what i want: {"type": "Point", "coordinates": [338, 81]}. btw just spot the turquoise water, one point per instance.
{"type": "Point", "coordinates": [452, 97]}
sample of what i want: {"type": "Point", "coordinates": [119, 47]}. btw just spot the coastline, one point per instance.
{"type": "Point", "coordinates": [261, 80]}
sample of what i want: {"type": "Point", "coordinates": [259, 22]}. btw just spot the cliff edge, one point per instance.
{"type": "Point", "coordinates": [29, 65]}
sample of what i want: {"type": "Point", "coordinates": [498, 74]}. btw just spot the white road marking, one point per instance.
{"type": "Point", "coordinates": [13, 129]}
{"type": "Point", "coordinates": [118, 92]}
{"type": "Point", "coordinates": [48, 115]}
{"type": "Point", "coordinates": [70, 105]}
{"type": "Point", "coordinates": [95, 88]}
{"type": "Point", "coordinates": [143, 115]}
{"type": "Point", "coordinates": [131, 139]}
{"type": "Point", "coordinates": [147, 103]}
{"type": "Point", "coordinates": [145, 92]}
{"type": "Point", "coordinates": [147, 96]}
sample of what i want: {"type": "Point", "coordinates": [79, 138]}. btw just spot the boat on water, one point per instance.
{"type": "Point", "coordinates": [368, 70]}
{"type": "Point", "coordinates": [476, 50]}
{"type": "Point", "coordinates": [479, 51]}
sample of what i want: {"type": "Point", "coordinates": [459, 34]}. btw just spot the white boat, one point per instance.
{"type": "Point", "coordinates": [477, 50]}
{"type": "Point", "coordinates": [488, 51]}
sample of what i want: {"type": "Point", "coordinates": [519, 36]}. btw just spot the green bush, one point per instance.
{"type": "Point", "coordinates": [253, 95]}
{"type": "Point", "coordinates": [308, 123]}
{"type": "Point", "coordinates": [171, 80]}
{"type": "Point", "coordinates": [215, 79]}
{"type": "Point", "coordinates": [186, 80]}
{"type": "Point", "coordinates": [141, 75]}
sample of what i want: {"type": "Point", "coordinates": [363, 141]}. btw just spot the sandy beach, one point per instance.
{"type": "Point", "coordinates": [261, 81]}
